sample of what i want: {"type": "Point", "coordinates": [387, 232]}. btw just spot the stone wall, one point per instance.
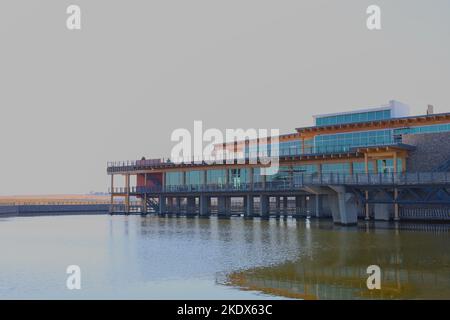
{"type": "Point", "coordinates": [432, 150]}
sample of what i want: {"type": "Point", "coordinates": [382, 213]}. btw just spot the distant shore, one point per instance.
{"type": "Point", "coordinates": [38, 205]}
{"type": "Point", "coordinates": [52, 198]}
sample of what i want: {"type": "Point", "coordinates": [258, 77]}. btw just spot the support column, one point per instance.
{"type": "Point", "coordinates": [366, 165]}
{"type": "Point", "coordinates": [144, 204]}
{"type": "Point", "coordinates": [169, 206]}
{"type": "Point", "coordinates": [277, 204]}
{"type": "Point", "coordinates": [111, 208]}
{"type": "Point", "coordinates": [248, 201]}
{"type": "Point", "coordinates": [191, 206]}
{"type": "Point", "coordinates": [396, 208]}
{"type": "Point", "coordinates": [317, 198]}
{"type": "Point", "coordinates": [367, 209]}
{"type": "Point", "coordinates": [162, 205]}
{"type": "Point", "coordinates": [177, 205]}
{"type": "Point", "coordinates": [127, 196]}
{"type": "Point", "coordinates": [221, 204]}
{"type": "Point", "coordinates": [285, 205]}
{"type": "Point", "coordinates": [144, 197]}
{"type": "Point", "coordinates": [264, 205]}
{"type": "Point", "coordinates": [228, 205]}
{"type": "Point", "coordinates": [204, 205]}
{"type": "Point", "coordinates": [298, 205]}
{"type": "Point", "coordinates": [343, 206]}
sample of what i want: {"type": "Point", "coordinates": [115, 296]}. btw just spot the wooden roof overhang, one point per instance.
{"type": "Point", "coordinates": [309, 132]}
{"type": "Point", "coordinates": [283, 160]}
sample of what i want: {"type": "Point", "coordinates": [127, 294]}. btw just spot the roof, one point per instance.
{"type": "Point", "coordinates": [402, 121]}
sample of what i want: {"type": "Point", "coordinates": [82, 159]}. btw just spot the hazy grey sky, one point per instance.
{"type": "Point", "coordinates": [72, 100]}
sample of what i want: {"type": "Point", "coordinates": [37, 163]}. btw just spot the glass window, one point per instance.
{"type": "Point", "coordinates": [216, 177]}
{"type": "Point", "coordinates": [353, 117]}
{"type": "Point", "coordinates": [343, 167]}
{"type": "Point", "coordinates": [174, 178]}
{"type": "Point", "coordinates": [194, 177]}
{"type": "Point", "coordinates": [344, 141]}
{"type": "Point", "coordinates": [360, 167]}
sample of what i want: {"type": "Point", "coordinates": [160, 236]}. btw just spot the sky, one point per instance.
{"type": "Point", "coordinates": [71, 100]}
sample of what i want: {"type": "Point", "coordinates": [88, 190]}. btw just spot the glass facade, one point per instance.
{"type": "Point", "coordinates": [360, 167]}
{"type": "Point", "coordinates": [251, 151]}
{"type": "Point", "coordinates": [383, 166]}
{"type": "Point", "coordinates": [288, 148]}
{"type": "Point", "coordinates": [387, 165]}
{"type": "Point", "coordinates": [305, 169]}
{"type": "Point", "coordinates": [353, 117]}
{"type": "Point", "coordinates": [174, 178]}
{"type": "Point", "coordinates": [283, 174]}
{"type": "Point", "coordinates": [343, 167]}
{"type": "Point", "coordinates": [238, 176]}
{"type": "Point", "coordinates": [344, 141]}
{"type": "Point", "coordinates": [194, 177]}
{"type": "Point", "coordinates": [424, 129]}
{"type": "Point", "coordinates": [216, 176]}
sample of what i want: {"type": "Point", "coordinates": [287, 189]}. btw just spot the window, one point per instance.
{"type": "Point", "coordinates": [216, 176]}
{"type": "Point", "coordinates": [424, 129]}
{"type": "Point", "coordinates": [353, 117]}
{"type": "Point", "coordinates": [174, 178]}
{"type": "Point", "coordinates": [336, 168]}
{"type": "Point", "coordinates": [194, 177]}
{"type": "Point", "coordinates": [344, 141]}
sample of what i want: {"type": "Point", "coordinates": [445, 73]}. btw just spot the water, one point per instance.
{"type": "Point", "coordinates": [191, 258]}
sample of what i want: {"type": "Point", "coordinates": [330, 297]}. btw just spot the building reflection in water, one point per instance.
{"type": "Point", "coordinates": [332, 263]}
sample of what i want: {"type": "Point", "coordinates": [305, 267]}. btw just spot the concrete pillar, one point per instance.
{"type": "Point", "coordinates": [144, 203]}
{"type": "Point", "coordinates": [317, 205]}
{"type": "Point", "coordinates": [177, 205]}
{"type": "Point", "coordinates": [204, 205]}
{"type": "Point", "coordinates": [396, 208]}
{"type": "Point", "coordinates": [264, 205]}
{"type": "Point", "coordinates": [111, 208]}
{"type": "Point", "coordinates": [222, 206]}
{"type": "Point", "coordinates": [285, 205]}
{"type": "Point", "coordinates": [277, 204]}
{"type": "Point", "coordinates": [343, 206]}
{"type": "Point", "coordinates": [367, 208]}
{"type": "Point", "coordinates": [248, 205]}
{"type": "Point", "coordinates": [191, 205]}
{"type": "Point", "coordinates": [298, 205]}
{"type": "Point", "coordinates": [228, 204]}
{"type": "Point", "coordinates": [162, 204]}
{"type": "Point", "coordinates": [127, 195]}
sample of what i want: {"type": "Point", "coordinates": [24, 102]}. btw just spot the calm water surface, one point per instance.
{"type": "Point", "coordinates": [190, 258]}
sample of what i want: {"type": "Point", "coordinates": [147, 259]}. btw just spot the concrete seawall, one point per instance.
{"type": "Point", "coordinates": [52, 209]}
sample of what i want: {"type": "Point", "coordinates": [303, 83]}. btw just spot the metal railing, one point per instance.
{"type": "Point", "coordinates": [240, 157]}
{"type": "Point", "coordinates": [304, 180]}
{"type": "Point", "coordinates": [54, 203]}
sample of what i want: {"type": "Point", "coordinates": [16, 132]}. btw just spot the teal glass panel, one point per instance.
{"type": "Point", "coordinates": [343, 168]}
{"type": "Point", "coordinates": [174, 178]}
{"type": "Point", "coordinates": [216, 177]}
{"type": "Point", "coordinates": [194, 177]}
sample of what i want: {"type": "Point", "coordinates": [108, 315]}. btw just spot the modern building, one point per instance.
{"type": "Point", "coordinates": [376, 163]}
